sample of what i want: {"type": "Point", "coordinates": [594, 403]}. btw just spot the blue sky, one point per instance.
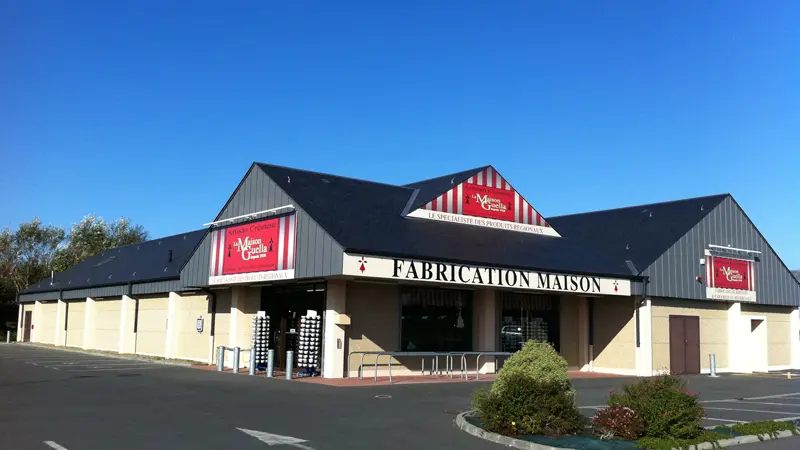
{"type": "Point", "coordinates": [155, 109]}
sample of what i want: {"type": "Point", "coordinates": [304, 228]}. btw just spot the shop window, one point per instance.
{"type": "Point", "coordinates": [436, 320]}
{"type": "Point", "coordinates": [527, 317]}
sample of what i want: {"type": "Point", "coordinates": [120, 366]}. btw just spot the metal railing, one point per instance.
{"type": "Point", "coordinates": [435, 369]}
{"type": "Point", "coordinates": [465, 366]}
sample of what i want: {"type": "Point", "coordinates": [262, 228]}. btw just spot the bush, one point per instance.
{"type": "Point", "coordinates": [666, 407]}
{"type": "Point", "coordinates": [537, 361]}
{"type": "Point", "coordinates": [526, 406]}
{"type": "Point", "coordinates": [617, 422]}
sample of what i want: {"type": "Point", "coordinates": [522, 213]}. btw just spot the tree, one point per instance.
{"type": "Point", "coordinates": [26, 256]}
{"type": "Point", "coordinates": [93, 235]}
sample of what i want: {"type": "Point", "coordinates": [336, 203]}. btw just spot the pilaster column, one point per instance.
{"type": "Point", "coordinates": [61, 324]}
{"type": "Point", "coordinates": [644, 353]}
{"type": "Point", "coordinates": [736, 339]}
{"type": "Point", "coordinates": [486, 312]}
{"type": "Point", "coordinates": [794, 337]}
{"type": "Point", "coordinates": [334, 335]}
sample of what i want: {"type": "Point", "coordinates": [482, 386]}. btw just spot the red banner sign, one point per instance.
{"type": "Point", "coordinates": [252, 248]}
{"type": "Point", "coordinates": [731, 274]}
{"type": "Point", "coordinates": [488, 202]}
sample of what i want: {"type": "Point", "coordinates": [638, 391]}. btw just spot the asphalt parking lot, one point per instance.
{"type": "Point", "coordinates": [742, 408]}
{"type": "Point", "coordinates": [51, 398]}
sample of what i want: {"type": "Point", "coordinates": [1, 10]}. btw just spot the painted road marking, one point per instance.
{"type": "Point", "coordinates": [276, 439]}
{"type": "Point", "coordinates": [54, 445]}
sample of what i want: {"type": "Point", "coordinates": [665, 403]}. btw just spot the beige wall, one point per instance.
{"type": "Point", "coordinates": [190, 344]}
{"type": "Point", "coordinates": [569, 330]}
{"type": "Point", "coordinates": [76, 316]}
{"type": "Point", "coordinates": [374, 310]}
{"type": "Point", "coordinates": [614, 334]}
{"type": "Point", "coordinates": [107, 317]}
{"type": "Point", "coordinates": [779, 348]}
{"type": "Point", "coordinates": [151, 337]}
{"type": "Point", "coordinates": [713, 330]}
{"type": "Point", "coordinates": [45, 324]}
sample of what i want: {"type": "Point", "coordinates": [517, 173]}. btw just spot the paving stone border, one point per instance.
{"type": "Point", "coordinates": [463, 423]}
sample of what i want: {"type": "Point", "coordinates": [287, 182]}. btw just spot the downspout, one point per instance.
{"type": "Point", "coordinates": [639, 304]}
{"type": "Point", "coordinates": [135, 315]}
{"type": "Point", "coordinates": [213, 324]}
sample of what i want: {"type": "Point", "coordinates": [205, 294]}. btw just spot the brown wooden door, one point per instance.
{"type": "Point", "coordinates": [684, 345]}
{"type": "Point", "coordinates": [677, 346]}
{"type": "Point", "coordinates": [26, 333]}
{"type": "Point", "coordinates": [691, 327]}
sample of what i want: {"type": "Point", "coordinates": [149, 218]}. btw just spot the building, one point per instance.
{"type": "Point", "coordinates": [458, 263]}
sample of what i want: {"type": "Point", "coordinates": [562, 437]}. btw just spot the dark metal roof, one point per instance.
{"type": "Point", "coordinates": [796, 274]}
{"type": "Point", "coordinates": [638, 234]}
{"type": "Point", "coordinates": [135, 263]}
{"type": "Point", "coordinates": [364, 216]}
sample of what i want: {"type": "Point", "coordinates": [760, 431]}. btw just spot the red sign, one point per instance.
{"type": "Point", "coordinates": [488, 202]}
{"type": "Point", "coordinates": [731, 274]}
{"type": "Point", "coordinates": [250, 248]}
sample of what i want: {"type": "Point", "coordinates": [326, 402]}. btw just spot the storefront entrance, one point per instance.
{"type": "Point", "coordinates": [528, 317]}
{"type": "Point", "coordinates": [287, 307]}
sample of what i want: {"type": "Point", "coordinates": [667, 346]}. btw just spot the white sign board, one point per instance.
{"type": "Point", "coordinates": [401, 269]}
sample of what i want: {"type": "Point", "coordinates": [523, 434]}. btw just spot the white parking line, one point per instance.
{"type": "Point", "coordinates": [54, 445]}
{"type": "Point", "coordinates": [751, 410]}
{"type": "Point", "coordinates": [797, 405]}
{"type": "Point", "coordinates": [724, 420]}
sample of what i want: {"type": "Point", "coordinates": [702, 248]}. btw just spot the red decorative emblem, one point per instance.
{"type": "Point", "coordinates": [616, 286]}
{"type": "Point", "coordinates": [362, 261]}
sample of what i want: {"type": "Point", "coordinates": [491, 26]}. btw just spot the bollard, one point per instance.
{"type": "Point", "coordinates": [289, 364]}
{"type": "Point", "coordinates": [236, 352]}
{"type": "Point", "coordinates": [712, 360]}
{"type": "Point", "coordinates": [8, 337]}
{"type": "Point", "coordinates": [220, 358]}
{"type": "Point", "coordinates": [252, 361]}
{"type": "Point", "coordinates": [270, 362]}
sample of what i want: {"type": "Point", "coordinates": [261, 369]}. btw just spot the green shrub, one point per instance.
{"type": "Point", "coordinates": [537, 361]}
{"type": "Point", "coordinates": [617, 422]}
{"type": "Point", "coordinates": [651, 443]}
{"type": "Point", "coordinates": [766, 428]}
{"type": "Point", "coordinates": [666, 407]}
{"type": "Point", "coordinates": [526, 406]}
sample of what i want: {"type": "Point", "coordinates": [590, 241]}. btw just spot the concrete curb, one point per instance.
{"type": "Point", "coordinates": [476, 431]}
{"type": "Point", "coordinates": [462, 423]}
{"type": "Point", "coordinates": [128, 358]}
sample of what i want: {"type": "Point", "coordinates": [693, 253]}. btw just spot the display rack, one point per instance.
{"type": "Point", "coordinates": [261, 340]}
{"type": "Point", "coordinates": [309, 344]}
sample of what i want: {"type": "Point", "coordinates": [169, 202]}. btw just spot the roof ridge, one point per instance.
{"type": "Point", "coordinates": [332, 175]}
{"type": "Point", "coordinates": [642, 205]}
{"type": "Point", "coordinates": [449, 174]}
